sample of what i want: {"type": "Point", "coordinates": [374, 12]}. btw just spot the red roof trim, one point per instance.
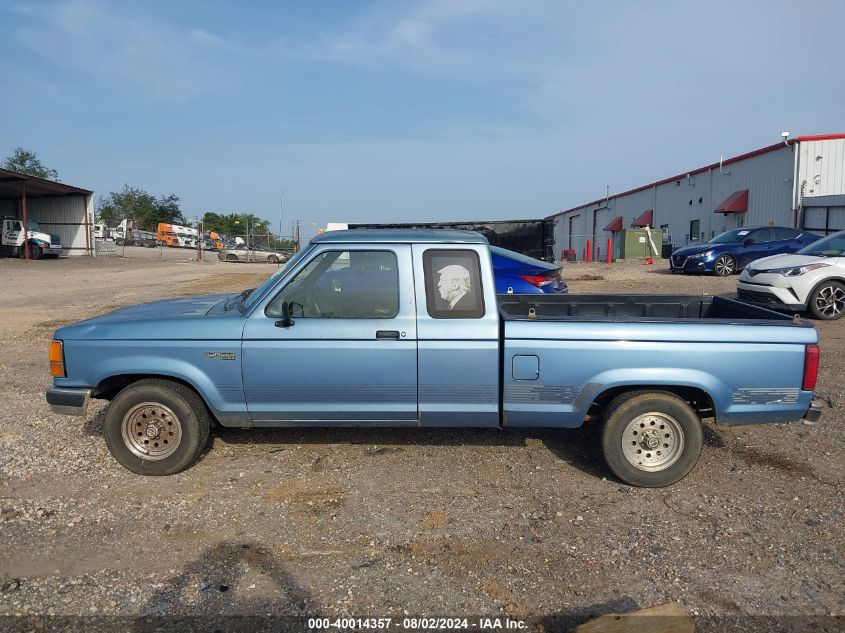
{"type": "Point", "coordinates": [822, 137]}
{"type": "Point", "coordinates": [700, 170]}
{"type": "Point", "coordinates": [737, 202]}
{"type": "Point", "coordinates": [615, 224]}
{"type": "Point", "coordinates": [646, 219]}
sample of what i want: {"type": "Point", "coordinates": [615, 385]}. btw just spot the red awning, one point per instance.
{"type": "Point", "coordinates": [736, 203]}
{"type": "Point", "coordinates": [646, 219]}
{"type": "Point", "coordinates": [615, 224]}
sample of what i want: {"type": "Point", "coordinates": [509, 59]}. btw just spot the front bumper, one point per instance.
{"type": "Point", "coordinates": [768, 295]}
{"type": "Point", "coordinates": [67, 401]}
{"type": "Point", "coordinates": [682, 264]}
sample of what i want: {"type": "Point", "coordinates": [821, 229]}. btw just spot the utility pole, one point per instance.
{"type": "Point", "coordinates": [199, 239]}
{"type": "Point", "coordinates": [296, 246]}
{"type": "Point", "coordinates": [281, 206]}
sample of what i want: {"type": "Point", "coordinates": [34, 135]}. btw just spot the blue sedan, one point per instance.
{"type": "Point", "coordinates": [733, 250]}
{"type": "Point", "coordinates": [523, 275]}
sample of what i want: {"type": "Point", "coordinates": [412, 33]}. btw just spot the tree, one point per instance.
{"type": "Point", "coordinates": [142, 208]}
{"type": "Point", "coordinates": [239, 224]}
{"type": "Point", "coordinates": [25, 162]}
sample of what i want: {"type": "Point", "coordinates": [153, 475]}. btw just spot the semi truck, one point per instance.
{"type": "Point", "coordinates": [137, 237]}
{"type": "Point", "coordinates": [404, 329]}
{"type": "Point", "coordinates": [41, 244]}
{"type": "Point", "coordinates": [177, 236]}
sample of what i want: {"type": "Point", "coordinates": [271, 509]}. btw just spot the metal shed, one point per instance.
{"type": "Point", "coordinates": [58, 208]}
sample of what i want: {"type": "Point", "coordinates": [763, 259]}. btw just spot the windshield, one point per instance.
{"type": "Point", "coordinates": [734, 236]}
{"type": "Point", "coordinates": [831, 246]}
{"type": "Point", "coordinates": [259, 292]}
{"type": "Point", "coordinates": [33, 226]}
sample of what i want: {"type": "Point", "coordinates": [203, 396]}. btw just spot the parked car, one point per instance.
{"type": "Point", "coordinates": [439, 348]}
{"type": "Point", "coordinates": [733, 250]}
{"type": "Point", "coordinates": [813, 279]}
{"type": "Point", "coordinates": [519, 274]}
{"type": "Point", "coordinates": [256, 253]}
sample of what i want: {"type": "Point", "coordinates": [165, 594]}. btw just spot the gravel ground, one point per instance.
{"type": "Point", "coordinates": [388, 523]}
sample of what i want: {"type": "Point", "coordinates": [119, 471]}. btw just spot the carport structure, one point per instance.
{"type": "Point", "coordinates": [58, 208]}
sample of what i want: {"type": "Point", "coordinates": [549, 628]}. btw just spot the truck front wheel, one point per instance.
{"type": "Point", "coordinates": [651, 439]}
{"type": "Point", "coordinates": [156, 427]}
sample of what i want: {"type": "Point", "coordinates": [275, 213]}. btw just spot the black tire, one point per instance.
{"type": "Point", "coordinates": [118, 241]}
{"type": "Point", "coordinates": [171, 399]}
{"type": "Point", "coordinates": [827, 301]}
{"type": "Point", "coordinates": [631, 418]}
{"type": "Point", "coordinates": [231, 258]}
{"type": "Point", "coordinates": [273, 259]}
{"type": "Point", "coordinates": [724, 265]}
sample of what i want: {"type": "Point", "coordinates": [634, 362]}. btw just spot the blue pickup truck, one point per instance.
{"type": "Point", "coordinates": [404, 329]}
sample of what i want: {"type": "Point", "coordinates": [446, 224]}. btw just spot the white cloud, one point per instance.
{"type": "Point", "coordinates": [128, 54]}
{"type": "Point", "coordinates": [430, 36]}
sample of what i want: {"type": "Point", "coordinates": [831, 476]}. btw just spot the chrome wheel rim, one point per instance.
{"type": "Point", "coordinates": [830, 301]}
{"type": "Point", "coordinates": [724, 266]}
{"type": "Point", "coordinates": [652, 441]}
{"type": "Point", "coordinates": [151, 430]}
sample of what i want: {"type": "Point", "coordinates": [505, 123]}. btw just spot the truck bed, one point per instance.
{"type": "Point", "coordinates": [634, 308]}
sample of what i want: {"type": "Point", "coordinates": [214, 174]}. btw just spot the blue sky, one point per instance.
{"type": "Point", "coordinates": [408, 111]}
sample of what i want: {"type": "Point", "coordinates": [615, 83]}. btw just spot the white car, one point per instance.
{"type": "Point", "coordinates": [813, 279]}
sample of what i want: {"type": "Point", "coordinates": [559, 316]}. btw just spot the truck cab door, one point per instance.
{"type": "Point", "coordinates": [12, 230]}
{"type": "Point", "coordinates": [458, 329]}
{"type": "Point", "coordinates": [347, 353]}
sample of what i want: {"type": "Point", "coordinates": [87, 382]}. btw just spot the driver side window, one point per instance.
{"type": "Point", "coordinates": [342, 285]}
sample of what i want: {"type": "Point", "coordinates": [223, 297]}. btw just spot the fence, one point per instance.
{"type": "Point", "coordinates": [105, 248]}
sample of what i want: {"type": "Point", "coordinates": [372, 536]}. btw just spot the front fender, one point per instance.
{"type": "Point", "coordinates": [216, 377]}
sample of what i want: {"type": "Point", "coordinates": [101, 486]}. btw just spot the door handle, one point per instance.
{"type": "Point", "coordinates": [387, 334]}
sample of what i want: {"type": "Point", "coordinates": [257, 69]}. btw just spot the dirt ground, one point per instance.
{"type": "Point", "coordinates": [392, 523]}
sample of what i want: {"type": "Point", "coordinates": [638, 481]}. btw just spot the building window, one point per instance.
{"type": "Point", "coordinates": [694, 228]}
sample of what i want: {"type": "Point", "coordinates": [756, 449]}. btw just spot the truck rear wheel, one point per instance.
{"type": "Point", "coordinates": [156, 427]}
{"type": "Point", "coordinates": [651, 439]}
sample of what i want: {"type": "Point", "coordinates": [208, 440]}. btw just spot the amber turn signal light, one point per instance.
{"type": "Point", "coordinates": [57, 360]}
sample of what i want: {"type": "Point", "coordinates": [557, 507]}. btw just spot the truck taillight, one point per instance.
{"type": "Point", "coordinates": [811, 367]}
{"type": "Point", "coordinates": [57, 359]}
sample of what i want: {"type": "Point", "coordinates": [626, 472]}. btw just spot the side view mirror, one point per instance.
{"type": "Point", "coordinates": [286, 320]}
{"type": "Point", "coordinates": [748, 242]}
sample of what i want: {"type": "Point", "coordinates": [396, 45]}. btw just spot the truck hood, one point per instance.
{"type": "Point", "coordinates": [181, 318]}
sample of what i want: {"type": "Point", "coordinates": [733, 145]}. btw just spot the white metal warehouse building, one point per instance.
{"type": "Point", "coordinates": [59, 209]}
{"type": "Point", "coordinates": [799, 182]}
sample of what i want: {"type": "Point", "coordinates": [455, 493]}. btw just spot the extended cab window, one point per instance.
{"type": "Point", "coordinates": [343, 285]}
{"type": "Point", "coordinates": [453, 284]}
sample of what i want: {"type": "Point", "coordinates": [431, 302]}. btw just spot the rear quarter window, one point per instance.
{"type": "Point", "coordinates": [453, 284]}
